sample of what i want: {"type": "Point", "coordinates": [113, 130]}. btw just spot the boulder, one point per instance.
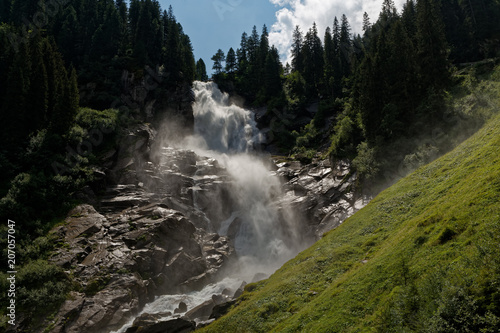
{"type": "Point", "coordinates": [178, 325]}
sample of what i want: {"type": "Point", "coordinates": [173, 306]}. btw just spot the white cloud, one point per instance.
{"type": "Point", "coordinates": [305, 12]}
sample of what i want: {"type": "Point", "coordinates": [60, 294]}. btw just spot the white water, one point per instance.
{"type": "Point", "coordinates": [267, 237]}
{"type": "Point", "coordinates": [229, 134]}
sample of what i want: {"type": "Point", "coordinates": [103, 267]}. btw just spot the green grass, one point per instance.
{"type": "Point", "coordinates": [424, 255]}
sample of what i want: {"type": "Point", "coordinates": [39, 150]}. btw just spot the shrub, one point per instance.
{"type": "Point", "coordinates": [366, 163]}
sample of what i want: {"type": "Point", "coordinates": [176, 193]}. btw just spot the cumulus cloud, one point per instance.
{"type": "Point", "coordinates": [304, 13]}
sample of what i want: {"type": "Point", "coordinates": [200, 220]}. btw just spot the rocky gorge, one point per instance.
{"type": "Point", "coordinates": [183, 219]}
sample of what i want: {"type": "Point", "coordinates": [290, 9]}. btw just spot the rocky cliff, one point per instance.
{"type": "Point", "coordinates": [153, 226]}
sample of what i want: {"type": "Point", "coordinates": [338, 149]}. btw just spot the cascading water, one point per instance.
{"type": "Point", "coordinates": [264, 235]}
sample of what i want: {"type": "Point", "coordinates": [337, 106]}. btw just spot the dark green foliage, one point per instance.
{"type": "Point", "coordinates": [231, 62]}
{"type": "Point", "coordinates": [201, 71]}
{"type": "Point", "coordinates": [431, 47]}
{"type": "Point", "coordinates": [218, 59]}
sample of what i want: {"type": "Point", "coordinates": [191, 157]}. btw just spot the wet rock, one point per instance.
{"type": "Point", "coordinates": [221, 309]}
{"type": "Point", "coordinates": [320, 194]}
{"type": "Point", "coordinates": [201, 312]}
{"type": "Point", "coordinates": [181, 308]}
{"type": "Point", "coordinates": [179, 325]}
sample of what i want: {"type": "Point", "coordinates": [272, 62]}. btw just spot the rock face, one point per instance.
{"type": "Point", "coordinates": [321, 193]}
{"type": "Point", "coordinates": [121, 261]}
{"type": "Point", "coordinates": [153, 231]}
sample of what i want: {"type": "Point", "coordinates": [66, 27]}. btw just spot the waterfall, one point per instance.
{"type": "Point", "coordinates": [223, 127]}
{"type": "Point", "coordinates": [264, 234]}
{"type": "Point", "coordinates": [264, 237]}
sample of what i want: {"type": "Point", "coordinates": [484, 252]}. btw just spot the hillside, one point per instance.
{"type": "Point", "coordinates": [422, 256]}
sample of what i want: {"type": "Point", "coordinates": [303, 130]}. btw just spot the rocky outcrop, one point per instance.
{"type": "Point", "coordinates": [323, 195]}
{"type": "Point", "coordinates": [121, 261]}
{"type": "Point", "coordinates": [179, 325]}
{"type": "Point", "coordinates": [153, 231]}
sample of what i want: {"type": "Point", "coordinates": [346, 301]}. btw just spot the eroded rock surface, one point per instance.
{"type": "Point", "coordinates": [156, 229]}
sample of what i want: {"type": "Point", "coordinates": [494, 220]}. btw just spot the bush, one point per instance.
{"type": "Point", "coordinates": [366, 163]}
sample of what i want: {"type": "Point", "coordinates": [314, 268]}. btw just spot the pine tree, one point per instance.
{"type": "Point", "coordinates": [231, 61]}
{"type": "Point", "coordinates": [337, 64]}
{"type": "Point", "coordinates": [297, 41]}
{"type": "Point", "coordinates": [432, 47]}
{"type": "Point", "coordinates": [409, 18]}
{"type": "Point", "coordinates": [272, 74]}
{"type": "Point", "coordinates": [366, 23]}
{"type": "Point", "coordinates": [218, 59]}
{"type": "Point", "coordinates": [253, 46]}
{"type": "Point", "coordinates": [345, 47]}
{"type": "Point", "coordinates": [264, 45]}
{"type": "Point", "coordinates": [188, 66]}
{"type": "Point", "coordinates": [313, 60]}
{"type": "Point", "coordinates": [330, 58]}
{"type": "Point", "coordinates": [201, 71]}
{"type": "Point", "coordinates": [241, 54]}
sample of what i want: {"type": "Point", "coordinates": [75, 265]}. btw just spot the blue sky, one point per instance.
{"type": "Point", "coordinates": [214, 24]}
{"type": "Point", "coordinates": [219, 24]}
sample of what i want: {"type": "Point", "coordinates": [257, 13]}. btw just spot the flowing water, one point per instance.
{"type": "Point", "coordinates": [266, 235]}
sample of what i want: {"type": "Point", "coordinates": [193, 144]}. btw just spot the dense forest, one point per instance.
{"type": "Point", "coordinates": [383, 93]}
{"type": "Point", "coordinates": [68, 72]}
{"type": "Point", "coordinates": [62, 63]}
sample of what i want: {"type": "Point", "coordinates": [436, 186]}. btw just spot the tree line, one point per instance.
{"type": "Point", "coordinates": [57, 58]}
{"type": "Point", "coordinates": [389, 82]}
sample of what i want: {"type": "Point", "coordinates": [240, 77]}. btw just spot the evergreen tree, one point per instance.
{"type": "Point", "coordinates": [201, 71]}
{"type": "Point", "coordinates": [329, 60]}
{"type": "Point", "coordinates": [253, 46]}
{"type": "Point", "coordinates": [336, 62]}
{"type": "Point", "coordinates": [313, 60]}
{"type": "Point", "coordinates": [218, 59]}
{"type": "Point", "coordinates": [188, 66]}
{"type": "Point", "coordinates": [272, 74]}
{"type": "Point", "coordinates": [409, 18]}
{"type": "Point", "coordinates": [432, 47]}
{"type": "Point", "coordinates": [345, 47]}
{"type": "Point", "coordinates": [366, 23]}
{"type": "Point", "coordinates": [231, 64]}
{"type": "Point", "coordinates": [264, 45]}
{"type": "Point", "coordinates": [297, 41]}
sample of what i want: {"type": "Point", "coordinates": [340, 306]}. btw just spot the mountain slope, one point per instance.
{"type": "Point", "coordinates": [422, 256]}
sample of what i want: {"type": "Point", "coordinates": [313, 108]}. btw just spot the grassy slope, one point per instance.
{"type": "Point", "coordinates": [425, 246]}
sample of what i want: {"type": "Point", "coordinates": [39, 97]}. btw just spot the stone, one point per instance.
{"type": "Point", "coordinates": [201, 312]}
{"type": "Point", "coordinates": [181, 308]}
{"type": "Point", "coordinates": [221, 309]}
{"type": "Point", "coordinates": [178, 325]}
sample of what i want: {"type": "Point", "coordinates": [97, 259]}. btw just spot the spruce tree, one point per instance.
{"type": "Point", "coordinates": [231, 64]}
{"type": "Point", "coordinates": [218, 59]}
{"type": "Point", "coordinates": [297, 41]}
{"type": "Point", "coordinates": [329, 59]}
{"type": "Point", "coordinates": [201, 71]}
{"type": "Point", "coordinates": [313, 61]}
{"type": "Point", "coordinates": [432, 47]}
{"type": "Point", "coordinates": [345, 47]}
